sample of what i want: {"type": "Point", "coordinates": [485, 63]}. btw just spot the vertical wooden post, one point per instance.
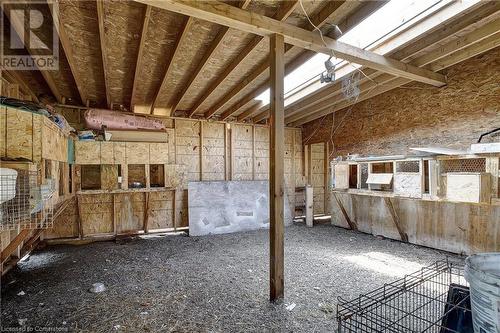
{"type": "Point", "coordinates": [276, 174]}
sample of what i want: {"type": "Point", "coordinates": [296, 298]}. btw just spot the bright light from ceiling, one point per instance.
{"type": "Point", "coordinates": [379, 26]}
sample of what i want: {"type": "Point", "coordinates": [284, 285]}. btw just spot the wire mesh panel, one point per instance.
{"type": "Point", "coordinates": [23, 203]}
{"type": "Point", "coordinates": [408, 166]}
{"type": "Point", "coordinates": [425, 301]}
{"type": "Point", "coordinates": [464, 165]}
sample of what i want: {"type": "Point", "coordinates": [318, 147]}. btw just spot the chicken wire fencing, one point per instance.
{"type": "Point", "coordinates": [434, 299]}
{"type": "Point", "coordinates": [23, 203]}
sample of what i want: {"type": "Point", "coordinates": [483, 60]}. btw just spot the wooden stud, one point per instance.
{"type": "Point", "coordinates": [146, 212]}
{"type": "Point", "coordinates": [80, 222]}
{"type": "Point", "coordinates": [202, 148]}
{"type": "Point", "coordinates": [395, 219]}
{"type": "Point", "coordinates": [276, 174]}
{"type": "Point", "coordinates": [115, 215]}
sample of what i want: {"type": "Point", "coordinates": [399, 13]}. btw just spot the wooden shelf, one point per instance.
{"type": "Point", "coordinates": [130, 190]}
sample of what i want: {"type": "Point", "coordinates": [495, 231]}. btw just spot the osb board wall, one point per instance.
{"type": "Point", "coordinates": [317, 176]}
{"type": "Point", "coordinates": [420, 115]}
{"type": "Point", "coordinates": [30, 136]}
{"type": "Point", "coordinates": [455, 227]}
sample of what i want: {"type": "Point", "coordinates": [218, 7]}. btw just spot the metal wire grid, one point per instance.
{"type": "Point", "coordinates": [464, 165]}
{"type": "Point", "coordinates": [416, 303]}
{"type": "Point", "coordinates": [31, 207]}
{"type": "Point", "coordinates": [408, 166]}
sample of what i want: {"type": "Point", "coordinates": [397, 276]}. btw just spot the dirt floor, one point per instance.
{"type": "Point", "coordinates": [204, 284]}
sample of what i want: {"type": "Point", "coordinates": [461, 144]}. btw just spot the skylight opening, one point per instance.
{"type": "Point", "coordinates": [379, 27]}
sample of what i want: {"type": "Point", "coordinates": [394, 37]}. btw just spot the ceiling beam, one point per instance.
{"type": "Point", "coordinates": [250, 111]}
{"type": "Point", "coordinates": [236, 18]}
{"type": "Point", "coordinates": [180, 40]}
{"type": "Point", "coordinates": [454, 24]}
{"type": "Point", "coordinates": [282, 14]}
{"type": "Point", "coordinates": [318, 19]}
{"type": "Point", "coordinates": [346, 14]}
{"type": "Point", "coordinates": [18, 26]}
{"type": "Point", "coordinates": [68, 51]}
{"type": "Point", "coordinates": [140, 53]}
{"type": "Point", "coordinates": [214, 46]}
{"type": "Point", "coordinates": [101, 15]}
{"type": "Point", "coordinates": [477, 46]}
{"type": "Point", "coordinates": [299, 60]}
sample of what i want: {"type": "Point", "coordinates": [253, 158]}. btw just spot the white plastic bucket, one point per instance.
{"type": "Point", "coordinates": [482, 271]}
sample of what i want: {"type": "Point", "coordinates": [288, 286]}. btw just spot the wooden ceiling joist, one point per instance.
{"type": "Point", "coordinates": [318, 20]}
{"type": "Point", "coordinates": [138, 63]}
{"type": "Point", "coordinates": [180, 40]}
{"type": "Point", "coordinates": [204, 61]}
{"type": "Point", "coordinates": [101, 16]}
{"type": "Point", "coordinates": [281, 15]}
{"type": "Point", "coordinates": [68, 51]}
{"type": "Point", "coordinates": [454, 50]}
{"type": "Point", "coordinates": [339, 13]}
{"type": "Point", "coordinates": [18, 26]}
{"type": "Point", "coordinates": [236, 18]}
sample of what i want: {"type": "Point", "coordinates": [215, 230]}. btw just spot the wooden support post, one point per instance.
{"type": "Point", "coordinates": [201, 150]}
{"type": "Point", "coordinates": [309, 206]}
{"type": "Point", "coordinates": [351, 223]}
{"type": "Point", "coordinates": [395, 219]}
{"type": "Point", "coordinates": [115, 217]}
{"type": "Point", "coordinates": [276, 174]}
{"type": "Point", "coordinates": [146, 212]}
{"type": "Point", "coordinates": [80, 226]}
{"type": "Point", "coordinates": [493, 167]}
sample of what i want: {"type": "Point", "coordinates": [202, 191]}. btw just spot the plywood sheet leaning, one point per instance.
{"type": "Point", "coordinates": [227, 207]}
{"type": "Point", "coordinates": [54, 143]}
{"type": "Point", "coordinates": [129, 208]}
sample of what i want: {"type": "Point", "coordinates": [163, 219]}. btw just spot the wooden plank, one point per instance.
{"type": "Point", "coordinates": [236, 18]}
{"type": "Point", "coordinates": [351, 223]}
{"type": "Point", "coordinates": [68, 51]}
{"type": "Point", "coordinates": [6, 253]}
{"type": "Point", "coordinates": [180, 40]}
{"type": "Point", "coordinates": [138, 64]}
{"type": "Point", "coordinates": [214, 46]}
{"type": "Point", "coordinates": [101, 17]}
{"type": "Point", "coordinates": [276, 177]}
{"type": "Point", "coordinates": [395, 219]}
{"type": "Point", "coordinates": [146, 212]}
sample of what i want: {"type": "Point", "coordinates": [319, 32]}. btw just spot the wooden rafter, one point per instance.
{"type": "Point", "coordinates": [251, 110]}
{"type": "Point", "coordinates": [68, 51]}
{"type": "Point", "coordinates": [101, 16]}
{"type": "Point", "coordinates": [321, 98]}
{"type": "Point", "coordinates": [319, 19]}
{"type": "Point", "coordinates": [233, 17]}
{"type": "Point", "coordinates": [282, 14]}
{"type": "Point", "coordinates": [180, 40]}
{"type": "Point", "coordinates": [479, 41]}
{"type": "Point", "coordinates": [204, 61]}
{"type": "Point", "coordinates": [140, 53]}
{"type": "Point", "coordinates": [18, 26]}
